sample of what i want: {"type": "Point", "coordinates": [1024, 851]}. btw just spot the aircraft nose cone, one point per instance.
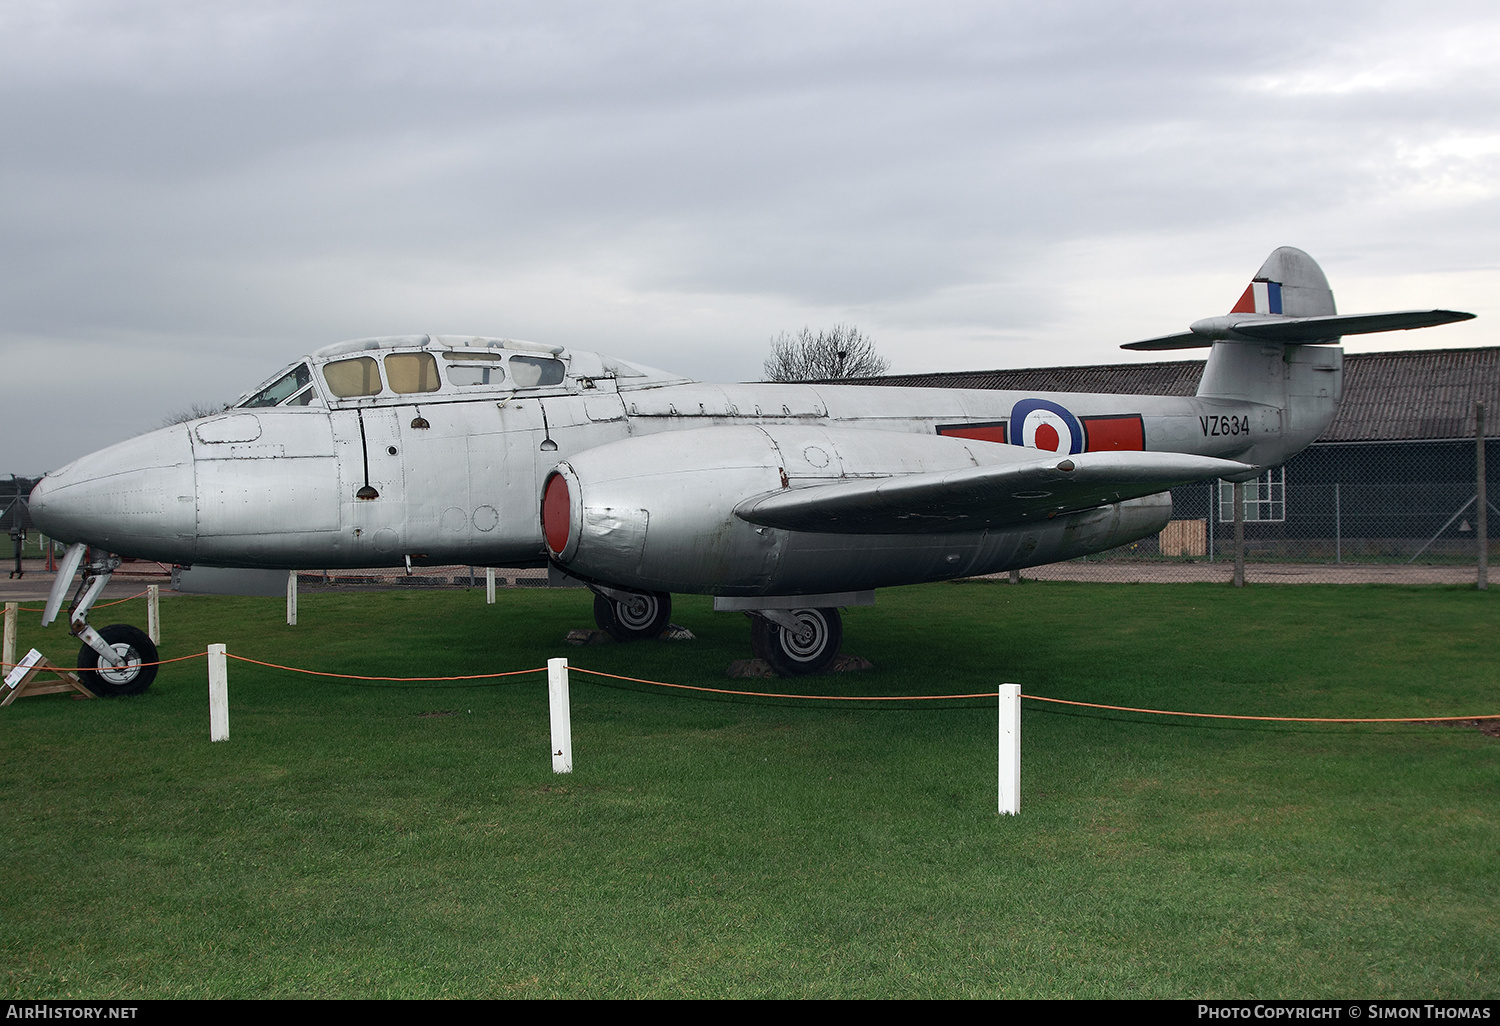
{"type": "Point", "coordinates": [134, 499]}
{"type": "Point", "coordinates": [36, 504]}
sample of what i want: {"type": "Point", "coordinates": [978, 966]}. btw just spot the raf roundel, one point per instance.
{"type": "Point", "coordinates": [1039, 424]}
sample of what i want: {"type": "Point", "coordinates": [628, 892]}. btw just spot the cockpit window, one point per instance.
{"type": "Point", "coordinates": [307, 397]}
{"type": "Point", "coordinates": [279, 389]}
{"type": "Point", "coordinates": [359, 376]}
{"type": "Point", "coordinates": [533, 371]}
{"type": "Point", "coordinates": [412, 372]}
{"type": "Point", "coordinates": [476, 368]}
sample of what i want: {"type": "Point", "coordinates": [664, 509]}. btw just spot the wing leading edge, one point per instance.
{"type": "Point", "coordinates": [976, 498]}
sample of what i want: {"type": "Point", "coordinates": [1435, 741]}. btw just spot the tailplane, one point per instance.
{"type": "Point", "coordinates": [1289, 302]}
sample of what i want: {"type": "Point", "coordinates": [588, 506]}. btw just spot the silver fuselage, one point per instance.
{"type": "Point", "coordinates": [457, 471]}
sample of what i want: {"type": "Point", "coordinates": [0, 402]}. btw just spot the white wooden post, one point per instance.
{"type": "Point", "coordinates": [153, 613]}
{"type": "Point", "coordinates": [218, 694]}
{"type": "Point", "coordinates": [489, 586]}
{"type": "Point", "coordinates": [1010, 749]}
{"type": "Point", "coordinates": [291, 598]}
{"type": "Point", "coordinates": [8, 650]}
{"type": "Point", "coordinates": [562, 715]}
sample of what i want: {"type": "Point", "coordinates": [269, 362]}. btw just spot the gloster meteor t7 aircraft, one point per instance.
{"type": "Point", "coordinates": [783, 501]}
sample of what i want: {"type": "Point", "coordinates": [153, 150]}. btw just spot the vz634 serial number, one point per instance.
{"type": "Point", "coordinates": [1215, 426]}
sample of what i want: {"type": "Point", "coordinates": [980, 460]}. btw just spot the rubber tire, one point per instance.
{"type": "Point", "coordinates": [644, 617]}
{"type": "Point", "coordinates": [792, 657]}
{"type": "Point", "coordinates": [132, 643]}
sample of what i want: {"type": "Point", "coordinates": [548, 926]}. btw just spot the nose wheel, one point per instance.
{"type": "Point", "coordinates": [797, 641]}
{"type": "Point", "coordinates": [632, 615]}
{"type": "Point", "coordinates": [136, 669]}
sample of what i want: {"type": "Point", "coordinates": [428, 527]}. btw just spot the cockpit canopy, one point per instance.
{"type": "Point", "coordinates": [435, 367]}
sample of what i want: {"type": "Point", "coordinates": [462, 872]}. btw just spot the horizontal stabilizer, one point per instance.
{"type": "Point", "coordinates": [1181, 340]}
{"type": "Point", "coordinates": [980, 497]}
{"type": "Point", "coordinates": [1290, 330]}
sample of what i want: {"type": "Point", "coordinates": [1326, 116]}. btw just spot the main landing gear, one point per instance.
{"type": "Point", "coordinates": [793, 642]}
{"type": "Point", "coordinates": [796, 641]}
{"type": "Point", "coordinates": [631, 615]}
{"type": "Point", "coordinates": [118, 660]}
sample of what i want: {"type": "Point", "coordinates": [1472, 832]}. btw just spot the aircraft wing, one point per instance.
{"type": "Point", "coordinates": [979, 497]}
{"type": "Point", "coordinates": [1239, 327]}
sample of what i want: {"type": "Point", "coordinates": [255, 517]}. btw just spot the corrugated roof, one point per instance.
{"type": "Point", "coordinates": [1424, 393]}
{"type": "Point", "coordinates": [1413, 394]}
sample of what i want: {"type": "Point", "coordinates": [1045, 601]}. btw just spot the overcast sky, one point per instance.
{"type": "Point", "coordinates": [194, 194]}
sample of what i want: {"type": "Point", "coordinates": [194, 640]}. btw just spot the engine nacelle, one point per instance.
{"type": "Point", "coordinates": [656, 513]}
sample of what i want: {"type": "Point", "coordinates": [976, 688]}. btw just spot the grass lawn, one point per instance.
{"type": "Point", "coordinates": [347, 842]}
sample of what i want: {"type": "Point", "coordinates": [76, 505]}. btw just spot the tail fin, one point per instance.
{"type": "Point", "coordinates": [1289, 283]}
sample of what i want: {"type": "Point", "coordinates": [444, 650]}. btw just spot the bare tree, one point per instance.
{"type": "Point", "coordinates": [193, 412]}
{"type": "Point", "coordinates": [826, 356]}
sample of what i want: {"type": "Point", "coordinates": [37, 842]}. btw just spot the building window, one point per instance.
{"type": "Point", "coordinates": [1265, 498]}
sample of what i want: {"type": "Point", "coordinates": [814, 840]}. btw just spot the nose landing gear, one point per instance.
{"type": "Point", "coordinates": [118, 660]}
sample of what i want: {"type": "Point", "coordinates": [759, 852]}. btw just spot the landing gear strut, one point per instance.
{"type": "Point", "coordinates": [796, 641]}
{"type": "Point", "coordinates": [631, 615]}
{"type": "Point", "coordinates": [120, 659]}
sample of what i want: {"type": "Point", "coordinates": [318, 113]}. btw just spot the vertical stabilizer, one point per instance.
{"type": "Point", "coordinates": [1289, 283]}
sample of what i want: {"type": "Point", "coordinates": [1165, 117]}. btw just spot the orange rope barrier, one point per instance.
{"type": "Point", "coordinates": [97, 605]}
{"type": "Point", "coordinates": [1270, 719]}
{"type": "Point", "coordinates": [359, 676]}
{"type": "Point", "coordinates": [827, 698]}
{"type": "Point", "coordinates": [1035, 698]}
{"type": "Point", "coordinates": [92, 669]}
{"type": "Point", "coordinates": [769, 694]}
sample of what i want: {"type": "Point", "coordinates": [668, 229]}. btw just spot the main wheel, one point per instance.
{"type": "Point", "coordinates": [809, 649]}
{"type": "Point", "coordinates": [129, 679]}
{"type": "Point", "coordinates": [644, 615]}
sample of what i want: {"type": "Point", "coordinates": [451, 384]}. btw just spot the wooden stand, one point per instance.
{"type": "Point", "coordinates": [25, 680]}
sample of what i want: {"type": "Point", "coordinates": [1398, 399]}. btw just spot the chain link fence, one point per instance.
{"type": "Point", "coordinates": [1352, 512]}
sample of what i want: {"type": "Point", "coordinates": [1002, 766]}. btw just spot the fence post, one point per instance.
{"type": "Point", "coordinates": [153, 613]}
{"type": "Point", "coordinates": [1338, 527]}
{"type": "Point", "coordinates": [291, 598]}
{"type": "Point", "coordinates": [218, 694]}
{"type": "Point", "coordinates": [1239, 534]}
{"type": "Point", "coordinates": [489, 586]}
{"type": "Point", "coordinates": [1482, 521]}
{"type": "Point", "coordinates": [562, 715]}
{"type": "Point", "coordinates": [1010, 749]}
{"type": "Point", "coordinates": [1213, 515]}
{"type": "Point", "coordinates": [8, 650]}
